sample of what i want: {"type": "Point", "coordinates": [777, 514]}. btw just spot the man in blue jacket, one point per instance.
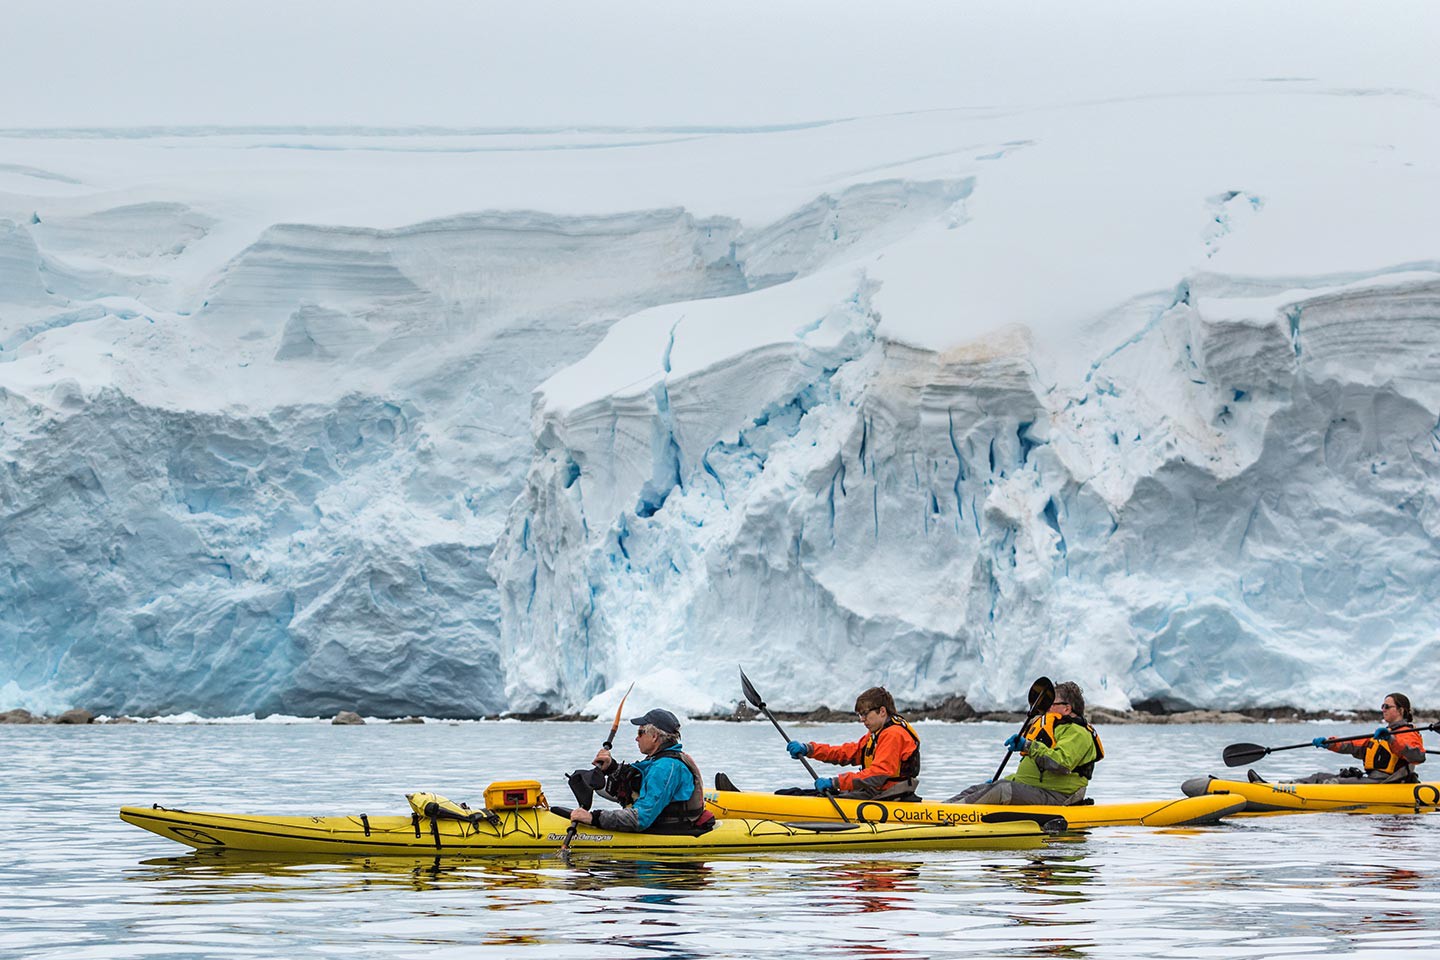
{"type": "Point", "coordinates": [662, 792]}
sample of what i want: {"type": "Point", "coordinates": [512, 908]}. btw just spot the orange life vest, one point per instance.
{"type": "Point", "coordinates": [910, 766]}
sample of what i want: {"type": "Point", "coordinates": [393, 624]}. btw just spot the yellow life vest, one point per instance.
{"type": "Point", "coordinates": [1379, 757]}
{"type": "Point", "coordinates": [1041, 729]}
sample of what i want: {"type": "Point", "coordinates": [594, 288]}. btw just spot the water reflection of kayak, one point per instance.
{"type": "Point", "coordinates": [1323, 797]}
{"type": "Point", "coordinates": [1178, 812]}
{"type": "Point", "coordinates": [431, 830]}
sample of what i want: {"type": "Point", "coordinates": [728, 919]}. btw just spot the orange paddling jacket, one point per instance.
{"type": "Point", "coordinates": [889, 761]}
{"type": "Point", "coordinates": [1389, 759]}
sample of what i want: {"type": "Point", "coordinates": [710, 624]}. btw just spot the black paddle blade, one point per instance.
{"type": "Point", "coordinates": [594, 778]}
{"type": "Point", "coordinates": [580, 786]}
{"type": "Point", "coordinates": [1243, 754]}
{"type": "Point", "coordinates": [1041, 696]}
{"type": "Point", "coordinates": [1048, 822]}
{"type": "Point", "coordinates": [1016, 816]}
{"type": "Point", "coordinates": [751, 693]}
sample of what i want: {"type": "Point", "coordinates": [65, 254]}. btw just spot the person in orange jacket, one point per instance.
{"type": "Point", "coordinates": [1390, 754]}
{"type": "Point", "coordinates": [888, 755]}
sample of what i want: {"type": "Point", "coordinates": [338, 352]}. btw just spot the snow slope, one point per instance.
{"type": "Point", "coordinates": [1136, 389]}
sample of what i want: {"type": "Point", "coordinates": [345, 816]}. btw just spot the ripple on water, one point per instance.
{"type": "Point", "coordinates": [78, 883]}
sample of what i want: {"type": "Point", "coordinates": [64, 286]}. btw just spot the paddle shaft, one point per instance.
{"type": "Point", "coordinates": [1408, 728]}
{"type": "Point", "coordinates": [1010, 752]}
{"type": "Point", "coordinates": [755, 699]}
{"type": "Point", "coordinates": [808, 769]}
{"type": "Point", "coordinates": [574, 827]}
{"type": "Point", "coordinates": [1037, 704]}
{"type": "Point", "coordinates": [1251, 752]}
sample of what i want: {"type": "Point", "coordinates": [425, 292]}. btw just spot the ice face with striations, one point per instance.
{"type": "Point", "coordinates": [1143, 393]}
{"type": "Point", "coordinates": [1185, 453]}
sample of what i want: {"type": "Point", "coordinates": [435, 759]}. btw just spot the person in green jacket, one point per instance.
{"type": "Point", "coordinates": [1059, 751]}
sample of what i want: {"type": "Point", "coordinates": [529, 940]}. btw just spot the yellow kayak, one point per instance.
{"type": "Point", "coordinates": [1179, 812]}
{"type": "Point", "coordinates": [538, 830]}
{"type": "Point", "coordinates": [1327, 797]}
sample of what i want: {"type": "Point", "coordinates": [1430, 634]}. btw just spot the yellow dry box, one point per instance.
{"type": "Point", "coordinates": [514, 795]}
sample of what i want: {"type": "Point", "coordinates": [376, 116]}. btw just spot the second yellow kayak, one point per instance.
{"type": "Point", "coordinates": [1178, 812]}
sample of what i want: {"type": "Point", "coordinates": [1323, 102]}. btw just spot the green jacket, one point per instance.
{"type": "Point", "coordinates": [1040, 765]}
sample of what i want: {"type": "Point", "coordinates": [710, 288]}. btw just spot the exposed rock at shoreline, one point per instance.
{"type": "Point", "coordinates": [953, 709]}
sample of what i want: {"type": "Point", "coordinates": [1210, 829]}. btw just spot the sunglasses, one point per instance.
{"type": "Point", "coordinates": [1389, 706]}
{"type": "Point", "coordinates": [862, 714]}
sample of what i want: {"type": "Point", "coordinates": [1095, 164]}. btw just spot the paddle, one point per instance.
{"type": "Point", "coordinates": [1042, 694]}
{"type": "Point", "coordinates": [583, 795]}
{"type": "Point", "coordinates": [1244, 754]}
{"type": "Point", "coordinates": [758, 703]}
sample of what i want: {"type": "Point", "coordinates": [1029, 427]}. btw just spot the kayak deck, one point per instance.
{"type": "Point", "coordinates": [537, 830]}
{"type": "Point", "coordinates": [1372, 798]}
{"type": "Point", "coordinates": [1178, 812]}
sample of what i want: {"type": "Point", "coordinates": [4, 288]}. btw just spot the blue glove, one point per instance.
{"type": "Point", "coordinates": [824, 783]}
{"type": "Point", "coordinates": [1382, 733]}
{"type": "Point", "coordinates": [798, 749]}
{"type": "Point", "coordinates": [1319, 743]}
{"type": "Point", "coordinates": [1017, 743]}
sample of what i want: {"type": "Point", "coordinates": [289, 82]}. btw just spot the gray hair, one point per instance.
{"type": "Point", "coordinates": [667, 740]}
{"type": "Point", "coordinates": [1069, 691]}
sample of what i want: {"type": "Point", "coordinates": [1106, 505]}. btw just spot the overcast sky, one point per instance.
{"type": "Point", "coordinates": [482, 63]}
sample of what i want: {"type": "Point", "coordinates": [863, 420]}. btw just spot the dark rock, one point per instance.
{"type": "Point", "coordinates": [743, 711]}
{"type": "Point", "coordinates": [18, 716]}
{"type": "Point", "coordinates": [951, 708]}
{"type": "Point", "coordinates": [347, 718]}
{"type": "Point", "coordinates": [122, 720]}
{"type": "Point", "coordinates": [75, 716]}
{"type": "Point", "coordinates": [827, 715]}
{"type": "Point", "coordinates": [408, 720]}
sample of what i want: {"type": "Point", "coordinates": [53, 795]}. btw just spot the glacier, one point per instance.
{"type": "Point", "coordinates": [1142, 391]}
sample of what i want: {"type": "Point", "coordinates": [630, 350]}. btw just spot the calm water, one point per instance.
{"type": "Point", "coordinates": [76, 882]}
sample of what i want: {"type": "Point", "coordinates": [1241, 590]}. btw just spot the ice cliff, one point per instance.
{"type": "Point", "coordinates": [1143, 393]}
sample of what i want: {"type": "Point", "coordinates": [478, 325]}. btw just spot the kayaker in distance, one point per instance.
{"type": "Point", "coordinates": [662, 793]}
{"type": "Point", "coordinates": [1059, 752]}
{"type": "Point", "coordinates": [888, 755]}
{"type": "Point", "coordinates": [1389, 754]}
